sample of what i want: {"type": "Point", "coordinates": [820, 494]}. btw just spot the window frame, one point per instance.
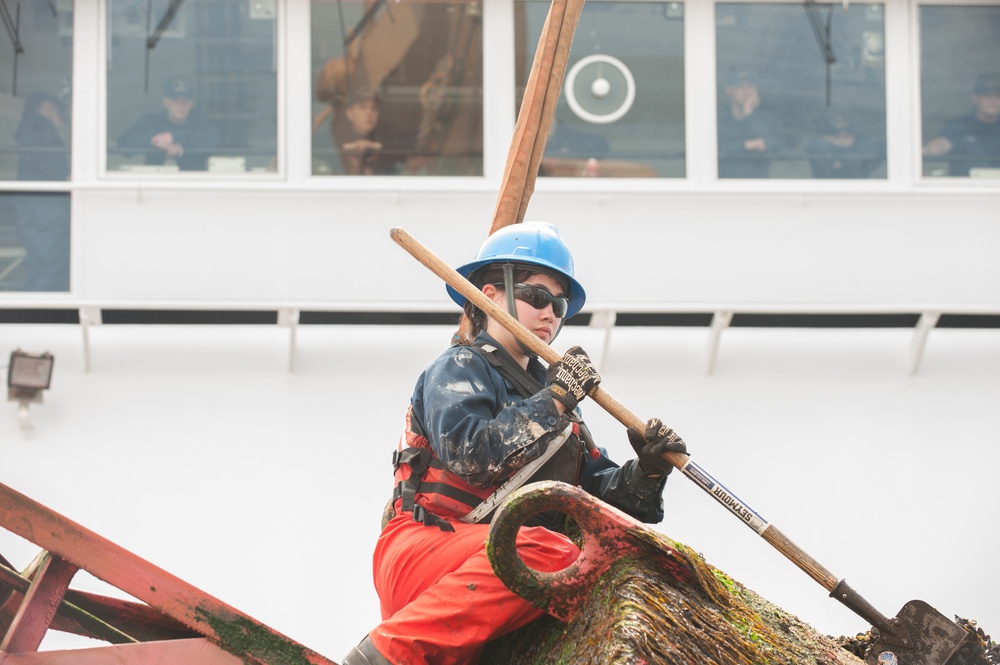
{"type": "Point", "coordinates": [951, 183]}
{"type": "Point", "coordinates": [198, 178]}
{"type": "Point", "coordinates": [903, 116]}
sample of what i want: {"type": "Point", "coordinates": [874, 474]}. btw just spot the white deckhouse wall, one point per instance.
{"type": "Point", "coordinates": [252, 460]}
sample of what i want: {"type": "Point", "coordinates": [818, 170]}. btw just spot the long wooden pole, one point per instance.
{"type": "Point", "coordinates": [534, 119]}
{"type": "Point", "coordinates": [538, 107]}
{"type": "Point", "coordinates": [688, 467]}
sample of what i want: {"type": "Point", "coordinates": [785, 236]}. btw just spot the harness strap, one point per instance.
{"type": "Point", "coordinates": [490, 503]}
{"type": "Point", "coordinates": [525, 384]}
{"type": "Point", "coordinates": [401, 492]}
{"type": "Point", "coordinates": [419, 460]}
{"type": "Point", "coordinates": [430, 519]}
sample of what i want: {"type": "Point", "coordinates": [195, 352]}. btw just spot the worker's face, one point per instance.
{"type": "Point", "coordinates": [543, 321]}
{"type": "Point", "coordinates": [742, 92]}
{"type": "Point", "coordinates": [49, 110]}
{"type": "Point", "coordinates": [363, 116]}
{"type": "Point", "coordinates": [987, 106]}
{"type": "Point", "coordinates": [178, 108]}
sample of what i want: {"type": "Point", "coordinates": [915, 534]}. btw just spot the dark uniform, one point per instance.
{"type": "Point", "coordinates": [974, 144]}
{"type": "Point", "coordinates": [197, 135]}
{"type": "Point", "coordinates": [440, 600]}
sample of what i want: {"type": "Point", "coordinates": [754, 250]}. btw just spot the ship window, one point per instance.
{"type": "Point", "coordinates": [960, 91]}
{"type": "Point", "coordinates": [397, 88]}
{"type": "Point", "coordinates": [192, 86]}
{"type": "Point", "coordinates": [34, 241]}
{"type": "Point", "coordinates": [35, 90]}
{"type": "Point", "coordinates": [621, 109]}
{"type": "Point", "coordinates": [801, 90]}
{"type": "Point", "coordinates": [35, 101]}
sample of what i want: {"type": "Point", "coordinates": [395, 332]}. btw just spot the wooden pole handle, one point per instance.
{"type": "Point", "coordinates": [692, 471]}
{"type": "Point", "coordinates": [516, 328]}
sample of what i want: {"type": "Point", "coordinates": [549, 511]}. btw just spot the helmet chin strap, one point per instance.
{"type": "Point", "coordinates": [508, 285]}
{"type": "Point", "coordinates": [508, 288]}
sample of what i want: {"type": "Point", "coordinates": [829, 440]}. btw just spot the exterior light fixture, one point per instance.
{"type": "Point", "coordinates": [28, 374]}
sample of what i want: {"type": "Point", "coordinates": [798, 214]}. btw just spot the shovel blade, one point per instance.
{"type": "Point", "coordinates": [932, 638]}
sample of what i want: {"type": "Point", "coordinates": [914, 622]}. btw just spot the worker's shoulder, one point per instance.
{"type": "Point", "coordinates": [463, 355]}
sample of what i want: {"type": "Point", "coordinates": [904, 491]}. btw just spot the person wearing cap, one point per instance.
{"type": "Point", "coordinates": [485, 415]}
{"type": "Point", "coordinates": [748, 132]}
{"type": "Point", "coordinates": [42, 220]}
{"type": "Point", "coordinates": [367, 144]}
{"type": "Point", "coordinates": [972, 140]}
{"type": "Point", "coordinates": [842, 153]}
{"type": "Point", "coordinates": [179, 134]}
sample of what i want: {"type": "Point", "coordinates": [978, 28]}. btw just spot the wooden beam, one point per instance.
{"type": "Point", "coordinates": [538, 107]}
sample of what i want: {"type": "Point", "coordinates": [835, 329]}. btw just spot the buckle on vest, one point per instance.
{"type": "Point", "coordinates": [430, 519]}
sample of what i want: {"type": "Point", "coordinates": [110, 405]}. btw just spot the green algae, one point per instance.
{"type": "Point", "coordinates": [638, 612]}
{"type": "Point", "coordinates": [246, 638]}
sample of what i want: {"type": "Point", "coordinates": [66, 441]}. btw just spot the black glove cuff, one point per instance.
{"type": "Point", "coordinates": [566, 398]}
{"type": "Point", "coordinates": [643, 482]}
{"type": "Point", "coordinates": [655, 473]}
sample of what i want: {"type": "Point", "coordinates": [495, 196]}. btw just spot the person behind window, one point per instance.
{"type": "Point", "coordinates": [39, 134]}
{"type": "Point", "coordinates": [42, 219]}
{"type": "Point", "coordinates": [748, 132]}
{"type": "Point", "coordinates": [842, 153]}
{"type": "Point", "coordinates": [368, 145]}
{"type": "Point", "coordinates": [972, 140]}
{"type": "Point", "coordinates": [180, 134]}
{"type": "Point", "coordinates": [567, 142]}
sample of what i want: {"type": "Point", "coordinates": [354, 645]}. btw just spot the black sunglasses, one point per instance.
{"type": "Point", "coordinates": [539, 297]}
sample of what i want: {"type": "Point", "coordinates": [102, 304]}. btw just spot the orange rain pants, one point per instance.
{"type": "Point", "coordinates": [440, 600]}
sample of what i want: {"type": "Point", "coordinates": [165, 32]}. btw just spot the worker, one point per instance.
{"type": "Point", "coordinates": [478, 415]}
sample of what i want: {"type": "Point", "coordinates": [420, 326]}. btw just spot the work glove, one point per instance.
{"type": "Point", "coordinates": [572, 378]}
{"type": "Point", "coordinates": [651, 444]}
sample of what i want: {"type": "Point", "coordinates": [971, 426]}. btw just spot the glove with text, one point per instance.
{"type": "Point", "coordinates": [651, 444]}
{"type": "Point", "coordinates": [573, 378]}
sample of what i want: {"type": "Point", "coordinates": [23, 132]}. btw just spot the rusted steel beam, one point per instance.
{"type": "Point", "coordinates": [99, 617]}
{"type": "Point", "coordinates": [222, 624]}
{"type": "Point", "coordinates": [140, 621]}
{"type": "Point", "coordinates": [5, 589]}
{"type": "Point", "coordinates": [193, 650]}
{"type": "Point", "coordinates": [33, 618]}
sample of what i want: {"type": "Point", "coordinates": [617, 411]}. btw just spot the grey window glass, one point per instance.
{"type": "Point", "coordinates": [621, 110]}
{"type": "Point", "coordinates": [801, 90]}
{"type": "Point", "coordinates": [35, 93]}
{"type": "Point", "coordinates": [960, 90]}
{"type": "Point", "coordinates": [35, 75]}
{"type": "Point", "coordinates": [398, 88]}
{"type": "Point", "coordinates": [192, 86]}
{"type": "Point", "coordinates": [34, 241]}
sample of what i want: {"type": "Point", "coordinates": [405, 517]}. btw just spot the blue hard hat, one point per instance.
{"type": "Point", "coordinates": [530, 244]}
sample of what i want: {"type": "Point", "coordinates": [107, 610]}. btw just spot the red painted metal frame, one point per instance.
{"type": "Point", "coordinates": [69, 546]}
{"type": "Point", "coordinates": [608, 535]}
{"type": "Point", "coordinates": [193, 650]}
{"type": "Point", "coordinates": [31, 622]}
